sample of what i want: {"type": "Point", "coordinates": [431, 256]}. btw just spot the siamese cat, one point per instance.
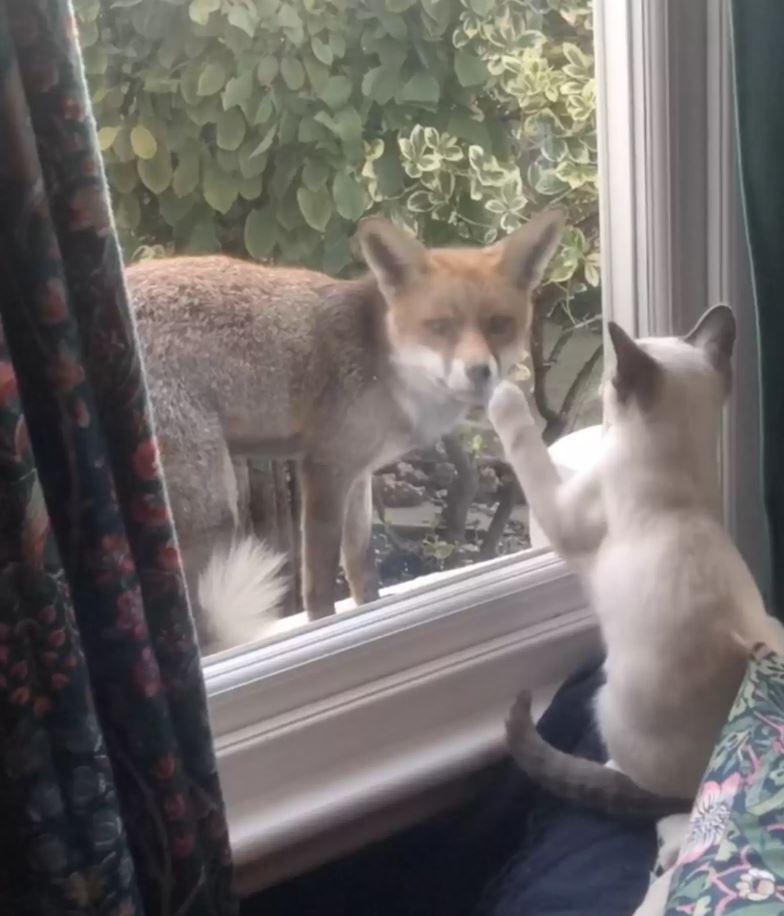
{"type": "Point", "coordinates": [677, 606]}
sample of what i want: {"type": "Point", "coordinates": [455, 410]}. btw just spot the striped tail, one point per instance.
{"type": "Point", "coordinates": [583, 782]}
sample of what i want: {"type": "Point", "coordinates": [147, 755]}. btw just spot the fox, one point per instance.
{"type": "Point", "coordinates": [343, 375]}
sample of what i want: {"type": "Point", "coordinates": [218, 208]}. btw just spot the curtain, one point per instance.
{"type": "Point", "coordinates": [109, 798]}
{"type": "Point", "coordinates": [758, 38]}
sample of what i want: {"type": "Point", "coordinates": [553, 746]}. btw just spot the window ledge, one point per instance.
{"type": "Point", "coordinates": [342, 718]}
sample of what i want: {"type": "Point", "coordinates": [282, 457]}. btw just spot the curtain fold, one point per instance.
{"type": "Point", "coordinates": [758, 40]}
{"type": "Point", "coordinates": [109, 796]}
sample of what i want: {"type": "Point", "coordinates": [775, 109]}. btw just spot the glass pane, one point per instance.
{"type": "Point", "coordinates": [266, 130]}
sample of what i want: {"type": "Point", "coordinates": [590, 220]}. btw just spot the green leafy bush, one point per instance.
{"type": "Point", "coordinates": [269, 127]}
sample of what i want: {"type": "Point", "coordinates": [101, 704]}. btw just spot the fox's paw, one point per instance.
{"type": "Point", "coordinates": [509, 407]}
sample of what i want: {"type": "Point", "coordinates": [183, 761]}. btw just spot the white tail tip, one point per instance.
{"type": "Point", "coordinates": [241, 590]}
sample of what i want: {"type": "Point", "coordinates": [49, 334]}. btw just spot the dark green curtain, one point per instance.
{"type": "Point", "coordinates": [109, 798]}
{"type": "Point", "coordinates": [758, 38]}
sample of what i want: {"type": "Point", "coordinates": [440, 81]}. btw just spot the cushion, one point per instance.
{"type": "Point", "coordinates": [732, 861]}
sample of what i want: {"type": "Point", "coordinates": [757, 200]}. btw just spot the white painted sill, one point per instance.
{"type": "Point", "coordinates": [326, 725]}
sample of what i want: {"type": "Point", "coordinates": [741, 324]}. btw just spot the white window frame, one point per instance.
{"type": "Point", "coordinates": [321, 729]}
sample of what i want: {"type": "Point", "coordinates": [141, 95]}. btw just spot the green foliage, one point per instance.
{"type": "Point", "coordinates": [436, 548]}
{"type": "Point", "coordinates": [267, 128]}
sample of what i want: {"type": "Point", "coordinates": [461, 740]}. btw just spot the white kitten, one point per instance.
{"type": "Point", "coordinates": [676, 603]}
{"type": "Point", "coordinates": [678, 608]}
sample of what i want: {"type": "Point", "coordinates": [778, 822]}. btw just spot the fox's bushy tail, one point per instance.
{"type": "Point", "coordinates": [241, 590]}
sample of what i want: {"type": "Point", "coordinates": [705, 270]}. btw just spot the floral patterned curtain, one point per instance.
{"type": "Point", "coordinates": [109, 798]}
{"type": "Point", "coordinates": [757, 36]}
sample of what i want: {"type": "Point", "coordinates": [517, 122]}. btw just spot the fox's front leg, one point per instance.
{"type": "Point", "coordinates": [570, 512]}
{"type": "Point", "coordinates": [357, 548]}
{"type": "Point", "coordinates": [324, 493]}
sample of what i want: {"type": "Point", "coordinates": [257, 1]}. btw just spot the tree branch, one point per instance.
{"type": "Point", "coordinates": [509, 495]}
{"type": "Point", "coordinates": [577, 385]}
{"type": "Point", "coordinates": [461, 491]}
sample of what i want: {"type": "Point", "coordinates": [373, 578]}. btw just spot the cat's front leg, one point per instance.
{"type": "Point", "coordinates": [509, 410]}
{"type": "Point", "coordinates": [569, 512]}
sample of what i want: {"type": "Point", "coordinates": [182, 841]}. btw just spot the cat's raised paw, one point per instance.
{"type": "Point", "coordinates": [508, 405]}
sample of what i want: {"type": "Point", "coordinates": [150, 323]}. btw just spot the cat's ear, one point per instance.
{"type": "Point", "coordinates": [715, 334]}
{"type": "Point", "coordinates": [394, 255]}
{"type": "Point", "coordinates": [637, 374]}
{"type": "Point", "coordinates": [526, 253]}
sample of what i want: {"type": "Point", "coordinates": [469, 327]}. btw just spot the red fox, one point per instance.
{"type": "Point", "coordinates": [344, 375]}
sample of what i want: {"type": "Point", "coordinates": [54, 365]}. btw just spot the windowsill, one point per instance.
{"type": "Point", "coordinates": [330, 732]}
{"type": "Point", "coordinates": [390, 812]}
{"type": "Point", "coordinates": [294, 622]}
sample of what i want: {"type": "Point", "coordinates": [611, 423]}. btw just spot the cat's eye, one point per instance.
{"type": "Point", "coordinates": [497, 325]}
{"type": "Point", "coordinates": [441, 327]}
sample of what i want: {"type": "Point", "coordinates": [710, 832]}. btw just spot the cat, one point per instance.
{"type": "Point", "coordinates": [677, 606]}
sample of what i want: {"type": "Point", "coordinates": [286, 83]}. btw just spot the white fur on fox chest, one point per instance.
{"type": "Point", "coordinates": [427, 415]}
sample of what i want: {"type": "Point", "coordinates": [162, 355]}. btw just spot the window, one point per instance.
{"type": "Point", "coordinates": [349, 715]}
{"type": "Point", "coordinates": [265, 129]}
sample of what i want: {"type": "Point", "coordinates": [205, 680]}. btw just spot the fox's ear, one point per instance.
{"type": "Point", "coordinates": [637, 374]}
{"type": "Point", "coordinates": [394, 255]}
{"type": "Point", "coordinates": [715, 334]}
{"type": "Point", "coordinates": [526, 253]}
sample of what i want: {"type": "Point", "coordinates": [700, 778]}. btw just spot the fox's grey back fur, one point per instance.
{"type": "Point", "coordinates": [219, 340]}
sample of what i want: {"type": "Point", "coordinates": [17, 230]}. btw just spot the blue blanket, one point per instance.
{"type": "Point", "coordinates": [571, 862]}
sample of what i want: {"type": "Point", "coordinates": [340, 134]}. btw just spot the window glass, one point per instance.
{"type": "Point", "coordinates": [267, 130]}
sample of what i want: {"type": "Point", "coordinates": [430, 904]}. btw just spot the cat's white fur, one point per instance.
{"type": "Point", "coordinates": [677, 605]}
{"type": "Point", "coordinates": [671, 832]}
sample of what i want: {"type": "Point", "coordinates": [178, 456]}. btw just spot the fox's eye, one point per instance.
{"type": "Point", "coordinates": [499, 324]}
{"type": "Point", "coordinates": [441, 327]}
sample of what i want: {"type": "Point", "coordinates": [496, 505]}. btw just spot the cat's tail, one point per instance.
{"type": "Point", "coordinates": [241, 590]}
{"type": "Point", "coordinates": [582, 782]}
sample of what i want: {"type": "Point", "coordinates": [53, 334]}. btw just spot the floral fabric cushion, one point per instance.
{"type": "Point", "coordinates": [733, 859]}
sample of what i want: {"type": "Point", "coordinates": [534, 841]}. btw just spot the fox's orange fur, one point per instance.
{"type": "Point", "coordinates": [344, 375]}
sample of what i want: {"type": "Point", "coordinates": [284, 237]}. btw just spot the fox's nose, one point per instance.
{"type": "Point", "coordinates": [479, 374]}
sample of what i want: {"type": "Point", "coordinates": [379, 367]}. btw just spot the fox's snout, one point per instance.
{"type": "Point", "coordinates": [471, 380]}
{"type": "Point", "coordinates": [479, 374]}
{"type": "Point", "coordinates": [474, 379]}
